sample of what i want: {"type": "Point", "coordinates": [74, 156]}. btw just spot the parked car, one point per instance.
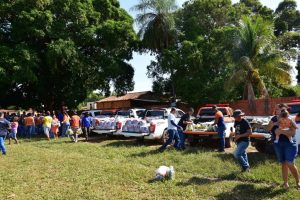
{"type": "Point", "coordinates": [206, 114]}
{"type": "Point", "coordinates": [152, 127]}
{"type": "Point", "coordinates": [92, 113]}
{"type": "Point", "coordinates": [112, 124]}
{"type": "Point", "coordinates": [263, 142]}
{"type": "Point", "coordinates": [202, 129]}
{"type": "Point", "coordinates": [105, 122]}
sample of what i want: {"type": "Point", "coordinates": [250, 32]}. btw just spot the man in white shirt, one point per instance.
{"type": "Point", "coordinates": [172, 131]}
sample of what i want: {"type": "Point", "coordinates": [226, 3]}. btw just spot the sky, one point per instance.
{"type": "Point", "coordinates": [140, 62]}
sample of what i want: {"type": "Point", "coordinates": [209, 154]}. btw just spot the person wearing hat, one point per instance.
{"type": "Point", "coordinates": [219, 120]}
{"type": "Point", "coordinates": [242, 132]}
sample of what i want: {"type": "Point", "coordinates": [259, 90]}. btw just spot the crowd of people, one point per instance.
{"type": "Point", "coordinates": [55, 125]}
{"type": "Point", "coordinates": [51, 125]}
{"type": "Point", "coordinates": [281, 126]}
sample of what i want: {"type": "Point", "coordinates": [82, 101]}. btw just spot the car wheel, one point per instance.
{"type": "Point", "coordinates": [140, 139]}
{"type": "Point", "coordinates": [260, 146]}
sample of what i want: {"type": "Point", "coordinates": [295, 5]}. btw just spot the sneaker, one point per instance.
{"type": "Point", "coordinates": [160, 150]}
{"type": "Point", "coordinates": [275, 141]}
{"type": "Point", "coordinates": [247, 169]}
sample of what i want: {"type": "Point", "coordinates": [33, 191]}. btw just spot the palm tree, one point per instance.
{"type": "Point", "coordinates": [257, 57]}
{"type": "Point", "coordinates": [157, 26]}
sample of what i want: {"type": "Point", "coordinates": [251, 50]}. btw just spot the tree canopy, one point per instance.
{"type": "Point", "coordinates": [56, 52]}
{"type": "Point", "coordinates": [212, 45]}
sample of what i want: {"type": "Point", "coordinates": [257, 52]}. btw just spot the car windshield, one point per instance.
{"type": "Point", "coordinates": [293, 109]}
{"type": "Point", "coordinates": [155, 114]}
{"type": "Point", "coordinates": [107, 113]}
{"type": "Point", "coordinates": [97, 113]}
{"type": "Point", "coordinates": [124, 113]}
{"type": "Point", "coordinates": [209, 112]}
{"type": "Point", "coordinates": [140, 113]}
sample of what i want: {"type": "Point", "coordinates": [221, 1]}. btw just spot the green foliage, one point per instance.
{"type": "Point", "coordinates": [156, 23]}
{"type": "Point", "coordinates": [217, 46]}
{"type": "Point", "coordinates": [287, 17]}
{"type": "Point", "coordinates": [92, 97]}
{"type": "Point", "coordinates": [56, 52]}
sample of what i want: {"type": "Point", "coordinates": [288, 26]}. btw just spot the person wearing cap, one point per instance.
{"type": "Point", "coordinates": [285, 150]}
{"type": "Point", "coordinates": [242, 132]}
{"type": "Point", "coordinates": [219, 121]}
{"type": "Point", "coordinates": [183, 122]}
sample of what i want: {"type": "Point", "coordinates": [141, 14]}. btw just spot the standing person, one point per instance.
{"type": "Point", "coordinates": [39, 123]}
{"type": "Point", "coordinates": [55, 126]}
{"type": "Point", "coordinates": [22, 129]}
{"type": "Point", "coordinates": [242, 139]}
{"type": "Point", "coordinates": [172, 131]}
{"type": "Point", "coordinates": [29, 125]}
{"type": "Point", "coordinates": [220, 122]}
{"type": "Point", "coordinates": [14, 130]}
{"type": "Point", "coordinates": [65, 123]}
{"type": "Point", "coordinates": [47, 122]}
{"type": "Point", "coordinates": [184, 121]}
{"type": "Point", "coordinates": [75, 126]}
{"type": "Point", "coordinates": [60, 117]}
{"type": "Point", "coordinates": [4, 127]}
{"type": "Point", "coordinates": [86, 124]}
{"type": "Point", "coordinates": [286, 150]}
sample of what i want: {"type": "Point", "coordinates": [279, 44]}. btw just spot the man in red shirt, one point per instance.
{"type": "Point", "coordinates": [75, 126]}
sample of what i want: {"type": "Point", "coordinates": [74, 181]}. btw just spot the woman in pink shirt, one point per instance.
{"type": "Point", "coordinates": [14, 130]}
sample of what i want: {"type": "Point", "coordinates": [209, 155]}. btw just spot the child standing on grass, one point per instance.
{"type": "Point", "coordinates": [14, 130]}
{"type": "Point", "coordinates": [55, 126]}
{"type": "Point", "coordinates": [285, 124]}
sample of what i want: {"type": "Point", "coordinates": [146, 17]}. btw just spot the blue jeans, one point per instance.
{"type": "Point", "coordinates": [286, 151]}
{"type": "Point", "coordinates": [2, 145]}
{"type": "Point", "coordinates": [29, 131]}
{"type": "Point", "coordinates": [182, 138]}
{"type": "Point", "coordinates": [173, 135]}
{"type": "Point", "coordinates": [221, 134]}
{"type": "Point", "coordinates": [64, 129]}
{"type": "Point", "coordinates": [241, 155]}
{"type": "Point", "coordinates": [21, 130]}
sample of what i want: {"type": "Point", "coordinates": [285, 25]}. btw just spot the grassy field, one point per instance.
{"type": "Point", "coordinates": [124, 169]}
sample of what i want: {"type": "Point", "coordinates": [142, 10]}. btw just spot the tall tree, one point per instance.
{"type": "Point", "coordinates": [56, 52]}
{"type": "Point", "coordinates": [287, 17]}
{"type": "Point", "coordinates": [257, 57]}
{"type": "Point", "coordinates": [201, 57]}
{"type": "Point", "coordinates": [156, 24]}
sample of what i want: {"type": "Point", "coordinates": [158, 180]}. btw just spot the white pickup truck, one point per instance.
{"type": "Point", "coordinates": [152, 127]}
{"type": "Point", "coordinates": [92, 113]}
{"type": "Point", "coordinates": [112, 124]}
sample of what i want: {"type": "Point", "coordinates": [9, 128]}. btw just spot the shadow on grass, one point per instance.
{"type": "Point", "coordinates": [144, 154]}
{"type": "Point", "coordinates": [126, 143]}
{"type": "Point", "coordinates": [205, 181]}
{"type": "Point", "coordinates": [241, 191]}
{"type": "Point", "coordinates": [249, 191]}
{"type": "Point", "coordinates": [255, 158]}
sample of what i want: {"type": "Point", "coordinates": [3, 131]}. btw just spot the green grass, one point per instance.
{"type": "Point", "coordinates": [123, 169]}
